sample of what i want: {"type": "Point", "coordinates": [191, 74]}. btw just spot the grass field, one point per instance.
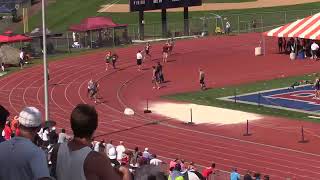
{"type": "Point", "coordinates": [204, 1]}
{"type": "Point", "coordinates": [61, 14]}
{"type": "Point", "coordinates": [210, 96]}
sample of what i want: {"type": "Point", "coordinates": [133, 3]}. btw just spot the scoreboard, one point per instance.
{"type": "Point", "coordinates": [145, 5]}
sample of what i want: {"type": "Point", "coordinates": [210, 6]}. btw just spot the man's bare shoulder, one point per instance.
{"type": "Point", "coordinates": [97, 165]}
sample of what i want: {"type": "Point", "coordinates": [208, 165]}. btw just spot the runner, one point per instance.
{"type": "Point", "coordinates": [165, 52]}
{"type": "Point", "coordinates": [147, 49]}
{"type": "Point", "coordinates": [155, 78]}
{"type": "Point", "coordinates": [160, 73]}
{"type": "Point", "coordinates": [171, 45]}
{"type": "Point", "coordinates": [22, 58]}
{"type": "Point", "coordinates": [94, 91]}
{"type": "Point", "coordinates": [317, 87]}
{"type": "Point", "coordinates": [114, 58]}
{"type": "Point", "coordinates": [139, 60]}
{"type": "Point", "coordinates": [108, 59]}
{"type": "Point", "coordinates": [201, 78]}
{"type": "Point", "coordinates": [90, 87]}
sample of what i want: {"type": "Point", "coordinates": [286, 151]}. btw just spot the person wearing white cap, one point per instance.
{"type": "Point", "coordinates": [25, 159]}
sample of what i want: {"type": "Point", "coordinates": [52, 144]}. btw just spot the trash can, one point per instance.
{"type": "Point", "coordinates": [258, 51]}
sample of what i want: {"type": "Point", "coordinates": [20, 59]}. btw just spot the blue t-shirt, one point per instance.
{"type": "Point", "coordinates": [234, 176]}
{"type": "Point", "coordinates": [2, 139]}
{"type": "Point", "coordinates": [23, 160]}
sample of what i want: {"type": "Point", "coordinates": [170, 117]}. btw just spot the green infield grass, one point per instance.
{"type": "Point", "coordinates": [209, 97]}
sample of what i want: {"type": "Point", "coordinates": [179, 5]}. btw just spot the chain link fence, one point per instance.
{"type": "Point", "coordinates": [209, 24]}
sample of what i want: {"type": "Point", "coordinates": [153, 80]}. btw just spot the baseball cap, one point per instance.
{"type": "Point", "coordinates": [112, 153]}
{"type": "Point", "coordinates": [30, 117]}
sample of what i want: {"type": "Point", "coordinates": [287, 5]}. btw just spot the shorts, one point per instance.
{"type": "Point", "coordinates": [139, 62]}
{"type": "Point", "coordinates": [165, 55]}
{"type": "Point", "coordinates": [202, 81]}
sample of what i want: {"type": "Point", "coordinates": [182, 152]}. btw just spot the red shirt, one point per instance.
{"type": "Point", "coordinates": [207, 171]}
{"type": "Point", "coordinates": [7, 132]}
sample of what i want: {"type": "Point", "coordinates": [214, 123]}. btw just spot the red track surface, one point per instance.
{"type": "Point", "coordinates": [272, 149]}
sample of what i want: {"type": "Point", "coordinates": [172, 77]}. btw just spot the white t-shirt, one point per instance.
{"type": "Point", "coordinates": [228, 25]}
{"type": "Point", "coordinates": [139, 56]}
{"type": "Point", "coordinates": [120, 150]}
{"type": "Point", "coordinates": [314, 46]}
{"type": "Point", "coordinates": [21, 55]}
{"type": "Point", "coordinates": [45, 135]}
{"type": "Point", "coordinates": [62, 138]}
{"type": "Point", "coordinates": [96, 147]}
{"type": "Point", "coordinates": [155, 162]}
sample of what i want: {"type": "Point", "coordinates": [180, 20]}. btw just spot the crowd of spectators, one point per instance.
{"type": "Point", "coordinates": [303, 48]}
{"type": "Point", "coordinates": [36, 152]}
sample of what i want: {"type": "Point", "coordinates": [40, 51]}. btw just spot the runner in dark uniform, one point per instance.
{"type": "Point", "coordinates": [114, 59]}
{"type": "Point", "coordinates": [147, 49]}
{"type": "Point", "coordinates": [160, 73]}
{"type": "Point", "coordinates": [201, 79]}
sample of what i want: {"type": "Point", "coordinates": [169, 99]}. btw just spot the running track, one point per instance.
{"type": "Point", "coordinates": [272, 149]}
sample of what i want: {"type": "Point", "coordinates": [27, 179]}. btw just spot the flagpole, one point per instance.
{"type": "Point", "coordinates": [45, 68]}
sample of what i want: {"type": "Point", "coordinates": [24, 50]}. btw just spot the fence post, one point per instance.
{"type": "Point", "coordinates": [261, 20]}
{"type": "Point", "coordinates": [68, 43]}
{"type": "Point", "coordinates": [285, 17]}
{"type": "Point", "coordinates": [238, 24]}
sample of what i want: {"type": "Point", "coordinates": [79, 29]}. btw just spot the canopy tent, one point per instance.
{"type": "Point", "coordinates": [14, 38]}
{"type": "Point", "coordinates": [307, 28]}
{"type": "Point", "coordinates": [95, 23]}
{"type": "Point", "coordinates": [97, 28]}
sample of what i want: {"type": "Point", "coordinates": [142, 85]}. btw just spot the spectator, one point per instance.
{"type": "Point", "coordinates": [191, 167]}
{"type": "Point", "coordinates": [2, 66]}
{"type": "Point", "coordinates": [120, 150]}
{"type": "Point", "coordinates": [96, 146]}
{"type": "Point", "coordinates": [228, 27]}
{"type": "Point", "coordinates": [266, 177]}
{"type": "Point", "coordinates": [14, 126]}
{"type": "Point", "coordinates": [176, 173]}
{"type": "Point", "coordinates": [45, 137]}
{"type": "Point", "coordinates": [247, 176]}
{"type": "Point", "coordinates": [112, 154]}
{"type": "Point", "coordinates": [146, 155]}
{"type": "Point", "coordinates": [135, 155]}
{"type": "Point", "coordinates": [109, 146]}
{"type": "Point", "coordinates": [314, 50]}
{"type": "Point", "coordinates": [234, 175]}
{"type": "Point", "coordinates": [257, 176]}
{"type": "Point", "coordinates": [63, 137]}
{"type": "Point", "coordinates": [7, 131]}
{"type": "Point", "coordinates": [147, 172]}
{"type": "Point", "coordinates": [173, 163]}
{"type": "Point", "coordinates": [155, 161]}
{"type": "Point", "coordinates": [27, 161]}
{"type": "Point", "coordinates": [53, 136]}
{"type": "Point", "coordinates": [75, 160]}
{"type": "Point", "coordinates": [206, 172]}
{"type": "Point", "coordinates": [4, 114]}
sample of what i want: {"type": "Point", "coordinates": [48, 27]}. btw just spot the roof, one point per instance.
{"type": "Point", "coordinates": [14, 38]}
{"type": "Point", "coordinates": [307, 28]}
{"type": "Point", "coordinates": [95, 23]}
